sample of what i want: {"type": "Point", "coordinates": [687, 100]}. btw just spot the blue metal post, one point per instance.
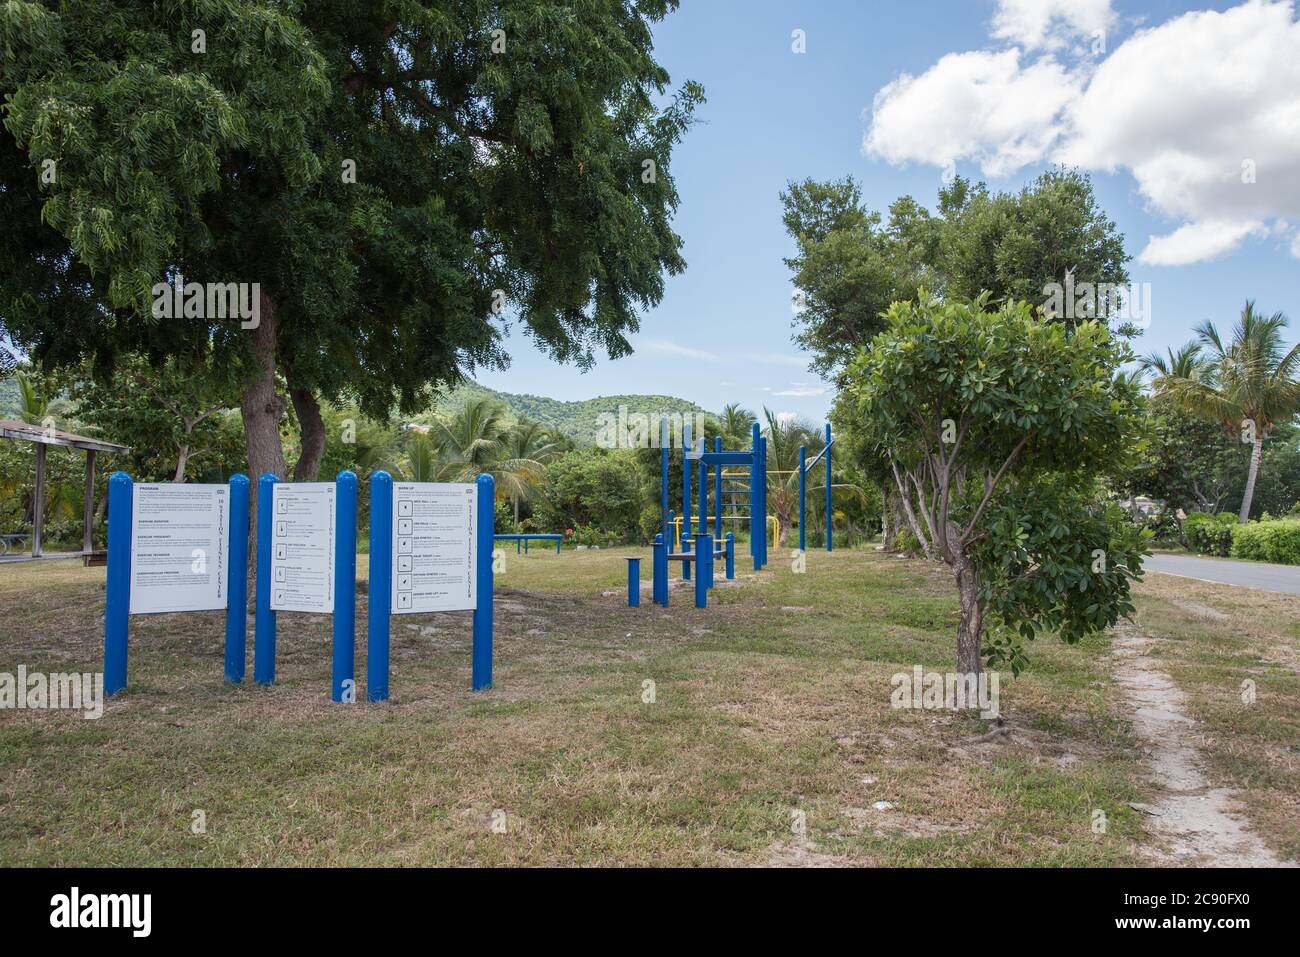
{"type": "Point", "coordinates": [482, 669]}
{"type": "Point", "coordinates": [704, 498]}
{"type": "Point", "coordinates": [663, 475]}
{"type": "Point", "coordinates": [380, 585]}
{"type": "Point", "coordinates": [717, 491]}
{"type": "Point", "coordinates": [237, 581]}
{"type": "Point", "coordinates": [264, 618]}
{"type": "Point", "coordinates": [762, 492]}
{"type": "Point", "coordinates": [687, 445]}
{"type": "Point", "coordinates": [633, 582]}
{"type": "Point", "coordinates": [703, 553]}
{"type": "Point", "coordinates": [828, 486]}
{"type": "Point", "coordinates": [803, 481]}
{"type": "Point", "coordinates": [757, 525]}
{"type": "Point", "coordinates": [117, 603]}
{"type": "Point", "coordinates": [731, 555]}
{"type": "Point", "coordinates": [345, 584]}
{"type": "Point", "coordinates": [656, 556]}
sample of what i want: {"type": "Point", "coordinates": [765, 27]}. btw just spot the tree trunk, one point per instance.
{"type": "Point", "coordinates": [261, 409]}
{"type": "Point", "coordinates": [516, 503]}
{"type": "Point", "coordinates": [1244, 515]}
{"type": "Point", "coordinates": [182, 457]}
{"type": "Point", "coordinates": [312, 432]}
{"type": "Point", "coordinates": [971, 625]}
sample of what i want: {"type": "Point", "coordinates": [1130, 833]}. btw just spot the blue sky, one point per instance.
{"type": "Point", "coordinates": [995, 90]}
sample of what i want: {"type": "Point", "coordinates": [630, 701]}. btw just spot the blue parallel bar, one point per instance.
{"type": "Point", "coordinates": [345, 586]}
{"type": "Point", "coordinates": [380, 585]}
{"type": "Point", "coordinates": [482, 664]}
{"type": "Point", "coordinates": [703, 553]}
{"type": "Point", "coordinates": [731, 555]}
{"type": "Point", "coordinates": [237, 581]}
{"type": "Point", "coordinates": [117, 606]}
{"type": "Point", "coordinates": [717, 492]}
{"type": "Point", "coordinates": [803, 484]}
{"type": "Point", "coordinates": [264, 618]}
{"type": "Point", "coordinates": [633, 582]}
{"type": "Point", "coordinates": [828, 486]}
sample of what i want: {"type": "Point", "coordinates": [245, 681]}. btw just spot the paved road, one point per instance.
{"type": "Point", "coordinates": [1280, 578]}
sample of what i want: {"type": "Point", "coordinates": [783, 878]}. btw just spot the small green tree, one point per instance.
{"type": "Point", "coordinates": [996, 427]}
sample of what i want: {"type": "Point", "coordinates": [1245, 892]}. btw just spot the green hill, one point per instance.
{"type": "Point", "coordinates": [580, 420]}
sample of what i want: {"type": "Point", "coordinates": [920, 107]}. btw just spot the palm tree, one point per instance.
{"type": "Point", "coordinates": [735, 423]}
{"type": "Point", "coordinates": [529, 441]}
{"type": "Point", "coordinates": [473, 440]}
{"type": "Point", "coordinates": [1184, 363]}
{"type": "Point", "coordinates": [1250, 384]}
{"type": "Point", "coordinates": [784, 436]}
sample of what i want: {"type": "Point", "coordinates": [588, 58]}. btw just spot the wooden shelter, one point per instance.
{"type": "Point", "coordinates": [17, 431]}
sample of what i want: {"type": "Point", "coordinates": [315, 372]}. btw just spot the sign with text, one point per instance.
{"type": "Point", "coordinates": [178, 548]}
{"type": "Point", "coordinates": [434, 525]}
{"type": "Point", "coordinates": [302, 547]}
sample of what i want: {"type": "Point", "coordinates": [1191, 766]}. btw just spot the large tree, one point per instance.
{"type": "Point", "coordinates": [997, 427]}
{"type": "Point", "coordinates": [398, 176]}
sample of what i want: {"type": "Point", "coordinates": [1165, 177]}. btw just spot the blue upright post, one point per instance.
{"type": "Point", "coordinates": [731, 555]}
{"type": "Point", "coordinates": [762, 491]}
{"type": "Point", "coordinates": [380, 585]}
{"type": "Point", "coordinates": [717, 491]}
{"type": "Point", "coordinates": [803, 482]}
{"type": "Point", "coordinates": [687, 446]}
{"type": "Point", "coordinates": [482, 669]}
{"type": "Point", "coordinates": [704, 497]}
{"type": "Point", "coordinates": [633, 582]}
{"type": "Point", "coordinates": [703, 553]}
{"type": "Point", "coordinates": [756, 526]}
{"type": "Point", "coordinates": [264, 618]}
{"type": "Point", "coordinates": [237, 581]}
{"type": "Point", "coordinates": [117, 604]}
{"type": "Point", "coordinates": [663, 475]}
{"type": "Point", "coordinates": [828, 486]}
{"type": "Point", "coordinates": [345, 585]}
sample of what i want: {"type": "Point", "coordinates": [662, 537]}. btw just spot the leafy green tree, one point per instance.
{"type": "Point", "coordinates": [597, 488]}
{"type": "Point", "coordinates": [528, 441]}
{"type": "Point", "coordinates": [1251, 384]}
{"type": "Point", "coordinates": [396, 176]}
{"type": "Point", "coordinates": [475, 439]}
{"type": "Point", "coordinates": [736, 423]}
{"type": "Point", "coordinates": [997, 427]}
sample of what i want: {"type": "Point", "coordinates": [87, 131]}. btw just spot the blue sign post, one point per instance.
{"type": "Point", "coordinates": [263, 616]}
{"type": "Point", "coordinates": [237, 582]}
{"type": "Point", "coordinates": [380, 589]}
{"type": "Point", "coordinates": [482, 652]}
{"type": "Point", "coordinates": [345, 587]}
{"type": "Point", "coordinates": [117, 606]}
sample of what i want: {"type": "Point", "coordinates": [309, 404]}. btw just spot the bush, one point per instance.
{"type": "Point", "coordinates": [1209, 534]}
{"type": "Point", "coordinates": [1277, 541]}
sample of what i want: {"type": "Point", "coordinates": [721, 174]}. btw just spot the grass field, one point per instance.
{"type": "Point", "coordinates": [771, 707]}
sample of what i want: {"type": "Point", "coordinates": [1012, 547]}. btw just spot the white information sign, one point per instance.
{"type": "Point", "coordinates": [302, 547]}
{"type": "Point", "coordinates": [178, 547]}
{"type": "Point", "coordinates": [434, 527]}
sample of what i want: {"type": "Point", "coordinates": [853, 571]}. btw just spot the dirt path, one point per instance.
{"type": "Point", "coordinates": [1201, 825]}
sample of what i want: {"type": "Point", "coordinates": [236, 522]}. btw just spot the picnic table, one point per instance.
{"type": "Point", "coordinates": [10, 539]}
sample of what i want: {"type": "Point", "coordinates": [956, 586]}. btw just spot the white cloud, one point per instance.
{"type": "Point", "coordinates": [1295, 246]}
{"type": "Point", "coordinates": [802, 391]}
{"type": "Point", "coordinates": [978, 106]}
{"type": "Point", "coordinates": [1203, 110]}
{"type": "Point", "coordinates": [1050, 23]}
{"type": "Point", "coordinates": [666, 347]}
{"type": "Point", "coordinates": [777, 358]}
{"type": "Point", "coordinates": [1197, 242]}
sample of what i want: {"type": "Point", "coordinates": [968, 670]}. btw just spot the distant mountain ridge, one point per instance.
{"type": "Point", "coordinates": [582, 419]}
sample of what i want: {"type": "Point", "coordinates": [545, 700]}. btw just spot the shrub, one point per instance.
{"type": "Point", "coordinates": [1209, 534]}
{"type": "Point", "coordinates": [1277, 541]}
